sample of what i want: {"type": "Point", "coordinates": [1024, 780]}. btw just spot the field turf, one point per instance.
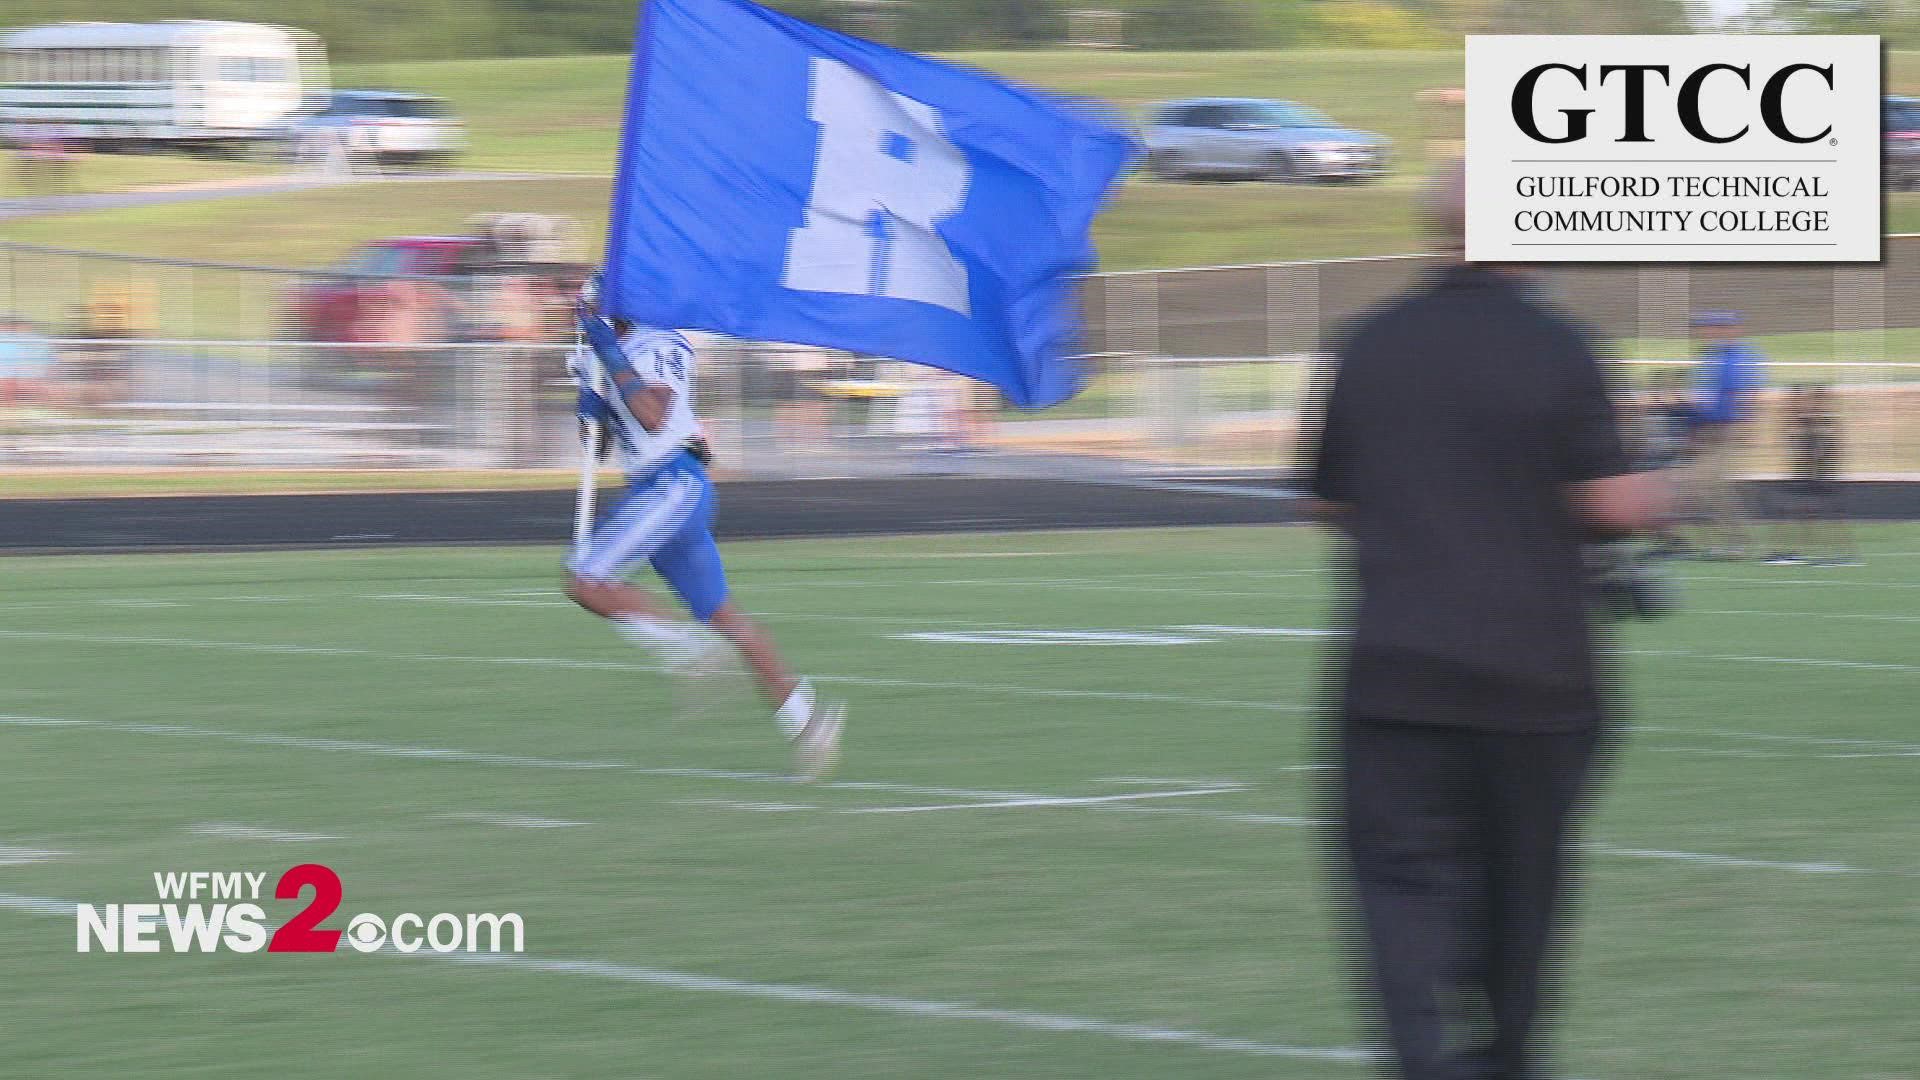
{"type": "Point", "coordinates": [1039, 860]}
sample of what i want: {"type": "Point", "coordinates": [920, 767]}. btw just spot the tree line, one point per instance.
{"type": "Point", "coordinates": [386, 30]}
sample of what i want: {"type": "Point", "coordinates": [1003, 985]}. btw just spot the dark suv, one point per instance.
{"type": "Point", "coordinates": [1900, 132]}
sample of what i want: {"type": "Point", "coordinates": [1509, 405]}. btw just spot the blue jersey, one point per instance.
{"type": "Point", "coordinates": [1731, 374]}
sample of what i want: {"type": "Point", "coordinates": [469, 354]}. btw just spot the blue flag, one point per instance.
{"type": "Point", "coordinates": [782, 182]}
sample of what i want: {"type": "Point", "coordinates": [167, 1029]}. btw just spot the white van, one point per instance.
{"type": "Point", "coordinates": [219, 85]}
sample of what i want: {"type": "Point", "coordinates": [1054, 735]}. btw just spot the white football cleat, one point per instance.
{"type": "Point", "coordinates": [816, 750]}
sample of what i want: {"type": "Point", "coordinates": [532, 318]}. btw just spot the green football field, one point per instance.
{"type": "Point", "coordinates": [1045, 855]}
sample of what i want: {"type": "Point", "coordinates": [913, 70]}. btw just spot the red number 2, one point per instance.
{"type": "Point", "coordinates": [299, 935]}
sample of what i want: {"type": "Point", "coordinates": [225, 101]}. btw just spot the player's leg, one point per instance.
{"type": "Point", "coordinates": [1831, 514]}
{"type": "Point", "coordinates": [1694, 499]}
{"type": "Point", "coordinates": [636, 530]}
{"type": "Point", "coordinates": [769, 669]}
{"type": "Point", "coordinates": [1794, 543]}
{"type": "Point", "coordinates": [612, 599]}
{"type": "Point", "coordinates": [1725, 525]}
{"type": "Point", "coordinates": [690, 564]}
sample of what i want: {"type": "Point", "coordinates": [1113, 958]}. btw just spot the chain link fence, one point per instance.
{"type": "Point", "coordinates": [121, 361]}
{"type": "Point", "coordinates": [1213, 360]}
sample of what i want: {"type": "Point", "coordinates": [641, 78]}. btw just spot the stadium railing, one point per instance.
{"type": "Point", "coordinates": [180, 362]}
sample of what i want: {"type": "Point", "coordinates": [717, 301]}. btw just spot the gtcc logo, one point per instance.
{"type": "Point", "coordinates": [1688, 148]}
{"type": "Point", "coordinates": [1633, 83]}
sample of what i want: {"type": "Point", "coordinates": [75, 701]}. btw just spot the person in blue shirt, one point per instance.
{"type": "Point", "coordinates": [26, 364]}
{"type": "Point", "coordinates": [1726, 387]}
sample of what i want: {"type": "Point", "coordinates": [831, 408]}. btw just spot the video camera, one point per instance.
{"type": "Point", "coordinates": [1630, 581]}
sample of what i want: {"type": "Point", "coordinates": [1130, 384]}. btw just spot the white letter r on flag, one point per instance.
{"type": "Point", "coordinates": [885, 177]}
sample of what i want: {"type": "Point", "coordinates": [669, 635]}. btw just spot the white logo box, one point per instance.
{"type": "Point", "coordinates": [1766, 196]}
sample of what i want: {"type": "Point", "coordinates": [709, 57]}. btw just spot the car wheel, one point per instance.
{"type": "Point", "coordinates": [335, 153]}
{"type": "Point", "coordinates": [1284, 168]}
{"type": "Point", "coordinates": [1164, 165]}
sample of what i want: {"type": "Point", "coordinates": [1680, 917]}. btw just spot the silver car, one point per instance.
{"type": "Point", "coordinates": [1247, 137]}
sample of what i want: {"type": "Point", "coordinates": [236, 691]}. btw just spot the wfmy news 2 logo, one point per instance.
{"type": "Point", "coordinates": [208, 911]}
{"type": "Point", "coordinates": [1695, 148]}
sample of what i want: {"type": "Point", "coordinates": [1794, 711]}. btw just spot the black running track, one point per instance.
{"type": "Point", "coordinates": [748, 510]}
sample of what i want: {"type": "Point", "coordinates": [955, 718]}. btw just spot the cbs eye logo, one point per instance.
{"type": "Point", "coordinates": [367, 933]}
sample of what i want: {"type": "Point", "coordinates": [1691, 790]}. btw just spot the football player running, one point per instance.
{"type": "Point", "coordinates": [666, 520]}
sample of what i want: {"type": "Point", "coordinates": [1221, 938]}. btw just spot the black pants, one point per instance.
{"type": "Point", "coordinates": [1459, 845]}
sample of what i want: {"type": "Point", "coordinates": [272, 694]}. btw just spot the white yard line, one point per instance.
{"type": "Point", "coordinates": [1834, 749]}
{"type": "Point", "coordinates": [37, 905]}
{"type": "Point", "coordinates": [1256, 631]}
{"type": "Point", "coordinates": [474, 757]}
{"type": "Point", "coordinates": [1767, 736]}
{"type": "Point", "coordinates": [562, 663]}
{"type": "Point", "coordinates": [521, 600]}
{"type": "Point", "coordinates": [139, 602]}
{"type": "Point", "coordinates": [229, 831]}
{"type": "Point", "coordinates": [752, 807]}
{"type": "Point", "coordinates": [1141, 697]}
{"type": "Point", "coordinates": [1063, 800]}
{"type": "Point", "coordinates": [566, 664]}
{"type": "Point", "coordinates": [545, 597]}
{"type": "Point", "coordinates": [1728, 860]}
{"type": "Point", "coordinates": [512, 821]}
{"type": "Point", "coordinates": [1794, 661]}
{"type": "Point", "coordinates": [1113, 804]}
{"type": "Point", "coordinates": [478, 601]}
{"type": "Point", "coordinates": [1709, 579]}
{"type": "Point", "coordinates": [549, 599]}
{"type": "Point", "coordinates": [26, 856]}
{"type": "Point", "coordinates": [923, 1009]}
{"type": "Point", "coordinates": [1114, 582]}
{"type": "Point", "coordinates": [1087, 586]}
{"type": "Point", "coordinates": [1137, 696]}
{"type": "Point", "coordinates": [1096, 803]}
{"type": "Point", "coordinates": [1166, 781]}
{"type": "Point", "coordinates": [937, 555]}
{"type": "Point", "coordinates": [1237, 817]}
{"type": "Point", "coordinates": [1848, 615]}
{"type": "Point", "coordinates": [527, 600]}
{"type": "Point", "coordinates": [1773, 755]}
{"type": "Point", "coordinates": [790, 993]}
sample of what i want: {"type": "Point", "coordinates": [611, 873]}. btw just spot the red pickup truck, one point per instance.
{"type": "Point", "coordinates": [359, 300]}
{"type": "Point", "coordinates": [429, 289]}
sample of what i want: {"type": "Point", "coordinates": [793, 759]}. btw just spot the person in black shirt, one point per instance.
{"type": "Point", "coordinates": [1468, 450]}
{"type": "Point", "coordinates": [1667, 429]}
{"type": "Point", "coordinates": [1815, 531]}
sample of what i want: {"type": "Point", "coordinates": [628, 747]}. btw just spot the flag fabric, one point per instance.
{"type": "Point", "coordinates": [778, 181]}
